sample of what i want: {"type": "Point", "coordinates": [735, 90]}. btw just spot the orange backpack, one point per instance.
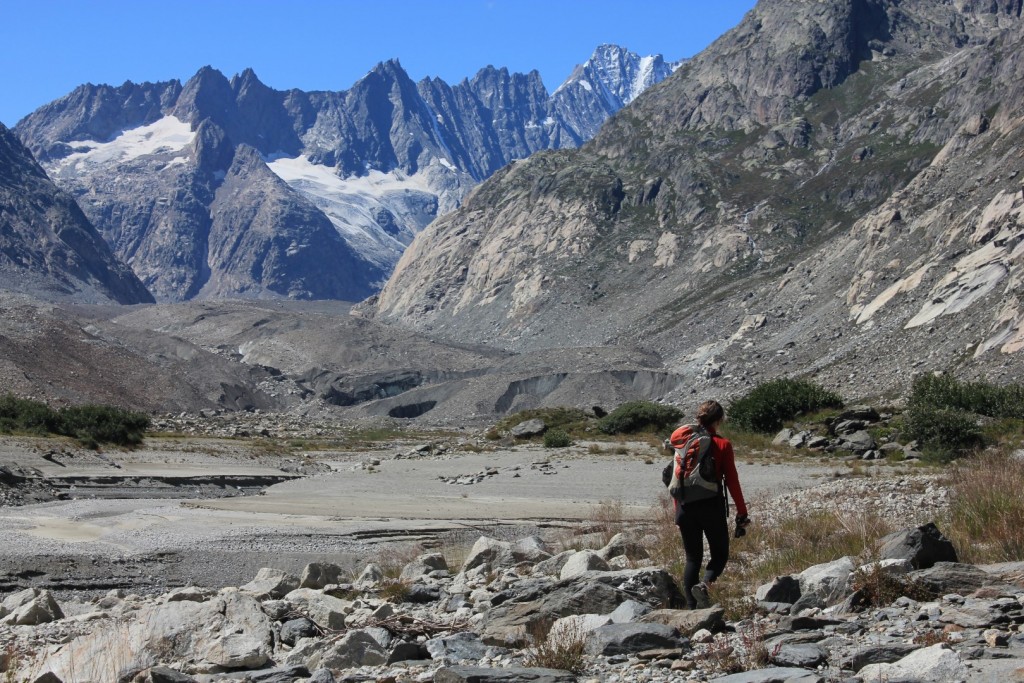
{"type": "Point", "coordinates": [694, 476]}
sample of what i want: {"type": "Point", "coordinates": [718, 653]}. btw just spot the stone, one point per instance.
{"type": "Point", "coordinates": [996, 638]}
{"type": "Point", "coordinates": [322, 676]}
{"type": "Point", "coordinates": [923, 546]}
{"type": "Point", "coordinates": [688, 622]}
{"type": "Point", "coordinates": [270, 584]}
{"type": "Point", "coordinates": [783, 437]}
{"type": "Point", "coordinates": [189, 593]}
{"type": "Point", "coordinates": [356, 648]}
{"type": "Point", "coordinates": [163, 674]}
{"type": "Point", "coordinates": [935, 664]}
{"type": "Point", "coordinates": [629, 611]}
{"type": "Point", "coordinates": [803, 655]}
{"type": "Point", "coordinates": [582, 562]}
{"type": "Point", "coordinates": [511, 674]}
{"type": "Point", "coordinates": [775, 674]}
{"type": "Point", "coordinates": [422, 566]}
{"type": "Point", "coordinates": [860, 412]}
{"type": "Point", "coordinates": [950, 577]}
{"type": "Point", "coordinates": [281, 674]}
{"type": "Point", "coordinates": [622, 545]}
{"type": "Point", "coordinates": [829, 581]}
{"type": "Point", "coordinates": [885, 653]}
{"type": "Point", "coordinates": [617, 639]}
{"type": "Point", "coordinates": [404, 651]}
{"type": "Point", "coordinates": [459, 646]}
{"type": "Point", "coordinates": [530, 549]}
{"type": "Point", "coordinates": [781, 589]}
{"type": "Point", "coordinates": [42, 608]}
{"type": "Point", "coordinates": [320, 574]}
{"type": "Point", "coordinates": [553, 565]}
{"type": "Point", "coordinates": [294, 629]}
{"type": "Point", "coordinates": [325, 610]}
{"type": "Point", "coordinates": [576, 625]}
{"type": "Point", "coordinates": [419, 594]}
{"type": "Point", "coordinates": [490, 553]}
{"type": "Point", "coordinates": [858, 442]}
{"type": "Point", "coordinates": [528, 428]}
{"type": "Point", "coordinates": [370, 577]}
{"type": "Point", "coordinates": [703, 636]}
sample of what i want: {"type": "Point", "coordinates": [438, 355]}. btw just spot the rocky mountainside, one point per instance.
{"type": "Point", "coordinates": [831, 188]}
{"type": "Point", "coordinates": [228, 188]}
{"type": "Point", "coordinates": [47, 245]}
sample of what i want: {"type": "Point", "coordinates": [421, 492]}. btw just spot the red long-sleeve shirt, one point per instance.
{"type": "Point", "coordinates": [725, 467]}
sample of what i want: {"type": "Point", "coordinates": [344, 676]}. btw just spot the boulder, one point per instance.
{"type": "Point", "coordinates": [950, 577]}
{"type": "Point", "coordinates": [271, 584]}
{"type": "Point", "coordinates": [858, 442]}
{"type": "Point", "coordinates": [576, 625]}
{"type": "Point", "coordinates": [460, 646]}
{"type": "Point", "coordinates": [294, 629]}
{"type": "Point", "coordinates": [528, 428]}
{"type": "Point", "coordinates": [923, 546]}
{"type": "Point", "coordinates": [884, 653]}
{"type": "Point", "coordinates": [935, 664]}
{"type": "Point", "coordinates": [190, 594]}
{"type": "Point", "coordinates": [804, 655]}
{"type": "Point", "coordinates": [776, 674]}
{"type": "Point", "coordinates": [511, 674]}
{"type": "Point", "coordinates": [322, 676]}
{"type": "Point", "coordinates": [860, 412]}
{"type": "Point", "coordinates": [422, 565]}
{"type": "Point", "coordinates": [280, 674]}
{"type": "Point", "coordinates": [581, 562]}
{"type": "Point", "coordinates": [490, 553]}
{"type": "Point", "coordinates": [369, 577]}
{"type": "Point", "coordinates": [327, 611]}
{"type": "Point", "coordinates": [629, 611]}
{"type": "Point", "coordinates": [40, 608]}
{"type": "Point", "coordinates": [688, 622]}
{"type": "Point", "coordinates": [356, 648]}
{"type": "Point", "coordinates": [619, 639]}
{"type": "Point", "coordinates": [320, 574]}
{"type": "Point", "coordinates": [623, 545]}
{"type": "Point", "coordinates": [404, 652]}
{"type": "Point", "coordinates": [553, 565]}
{"type": "Point", "coordinates": [781, 589]}
{"type": "Point", "coordinates": [163, 674]}
{"type": "Point", "coordinates": [530, 549]}
{"type": "Point", "coordinates": [829, 582]}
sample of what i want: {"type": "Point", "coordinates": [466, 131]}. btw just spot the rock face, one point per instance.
{"type": "Point", "coordinates": [47, 245]}
{"type": "Point", "coordinates": [789, 173]}
{"type": "Point", "coordinates": [228, 188]}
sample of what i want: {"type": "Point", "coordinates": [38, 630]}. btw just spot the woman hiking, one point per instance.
{"type": "Point", "coordinates": [700, 505]}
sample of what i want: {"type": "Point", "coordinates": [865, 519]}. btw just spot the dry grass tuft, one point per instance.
{"type": "Point", "coordinates": [557, 648]}
{"type": "Point", "coordinates": [986, 516]}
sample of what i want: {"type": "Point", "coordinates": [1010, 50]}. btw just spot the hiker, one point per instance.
{"type": "Point", "coordinates": [707, 515]}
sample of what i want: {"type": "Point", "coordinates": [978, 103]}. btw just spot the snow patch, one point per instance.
{"type": "Point", "coordinates": [586, 85]}
{"type": "Point", "coordinates": [166, 136]}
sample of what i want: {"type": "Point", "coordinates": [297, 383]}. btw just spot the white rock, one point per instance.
{"type": "Point", "coordinates": [830, 581]}
{"type": "Point", "coordinates": [326, 610]}
{"type": "Point", "coordinates": [935, 664]}
{"type": "Point", "coordinates": [583, 561]}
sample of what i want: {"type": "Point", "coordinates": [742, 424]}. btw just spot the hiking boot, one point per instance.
{"type": "Point", "coordinates": [700, 594]}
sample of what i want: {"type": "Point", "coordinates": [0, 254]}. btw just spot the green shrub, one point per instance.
{"type": "Point", "coordinates": [556, 438]}
{"type": "Point", "coordinates": [768, 405]}
{"type": "Point", "coordinates": [558, 417]}
{"type": "Point", "coordinates": [943, 434]}
{"type": "Point", "coordinates": [982, 398]}
{"type": "Point", "coordinates": [90, 424]}
{"type": "Point", "coordinates": [638, 416]}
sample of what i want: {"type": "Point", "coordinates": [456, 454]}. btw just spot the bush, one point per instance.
{"type": "Point", "coordinates": [90, 424]}
{"type": "Point", "coordinates": [768, 405]}
{"type": "Point", "coordinates": [943, 434]}
{"type": "Point", "coordinates": [556, 438]}
{"type": "Point", "coordinates": [982, 398]}
{"type": "Point", "coordinates": [638, 416]}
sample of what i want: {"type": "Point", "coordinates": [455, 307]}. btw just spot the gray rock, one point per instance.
{"type": "Point", "coordinates": [356, 648]}
{"type": "Point", "coordinates": [553, 565]}
{"type": "Point", "coordinates": [369, 577]}
{"type": "Point", "coordinates": [617, 639]}
{"type": "Point", "coordinates": [490, 553]}
{"type": "Point", "coordinates": [163, 674]}
{"type": "Point", "coordinates": [528, 428]}
{"type": "Point", "coordinates": [783, 436]}
{"type": "Point", "coordinates": [803, 655]}
{"type": "Point", "coordinates": [326, 610]}
{"type": "Point", "coordinates": [922, 546]}
{"type": "Point", "coordinates": [858, 442]}
{"type": "Point", "coordinates": [860, 412]}
{"type": "Point", "coordinates": [405, 651]}
{"type": "Point", "coordinates": [423, 565]}
{"type": "Point", "coordinates": [460, 646]}
{"type": "Point", "coordinates": [950, 577]}
{"type": "Point", "coordinates": [884, 653]}
{"type": "Point", "coordinates": [320, 574]}
{"type": "Point", "coordinates": [40, 608]}
{"type": "Point", "coordinates": [622, 544]}
{"type": "Point", "coordinates": [781, 589]}
{"type": "Point", "coordinates": [190, 593]}
{"type": "Point", "coordinates": [829, 581]}
{"type": "Point", "coordinates": [294, 629]}
{"type": "Point", "coordinates": [512, 674]}
{"type": "Point", "coordinates": [419, 594]}
{"type": "Point", "coordinates": [322, 676]}
{"type": "Point", "coordinates": [281, 674]}
{"type": "Point", "coordinates": [629, 611]}
{"type": "Point", "coordinates": [772, 675]}
{"type": "Point", "coordinates": [582, 562]}
{"type": "Point", "coordinates": [935, 664]}
{"type": "Point", "coordinates": [688, 622]}
{"type": "Point", "coordinates": [271, 584]}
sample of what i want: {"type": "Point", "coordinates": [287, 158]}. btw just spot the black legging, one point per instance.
{"type": "Point", "coordinates": [700, 519]}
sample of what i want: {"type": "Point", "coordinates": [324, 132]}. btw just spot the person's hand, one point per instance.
{"type": "Point", "coordinates": [742, 522]}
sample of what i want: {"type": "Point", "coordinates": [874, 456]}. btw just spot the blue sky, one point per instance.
{"type": "Point", "coordinates": [48, 47]}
